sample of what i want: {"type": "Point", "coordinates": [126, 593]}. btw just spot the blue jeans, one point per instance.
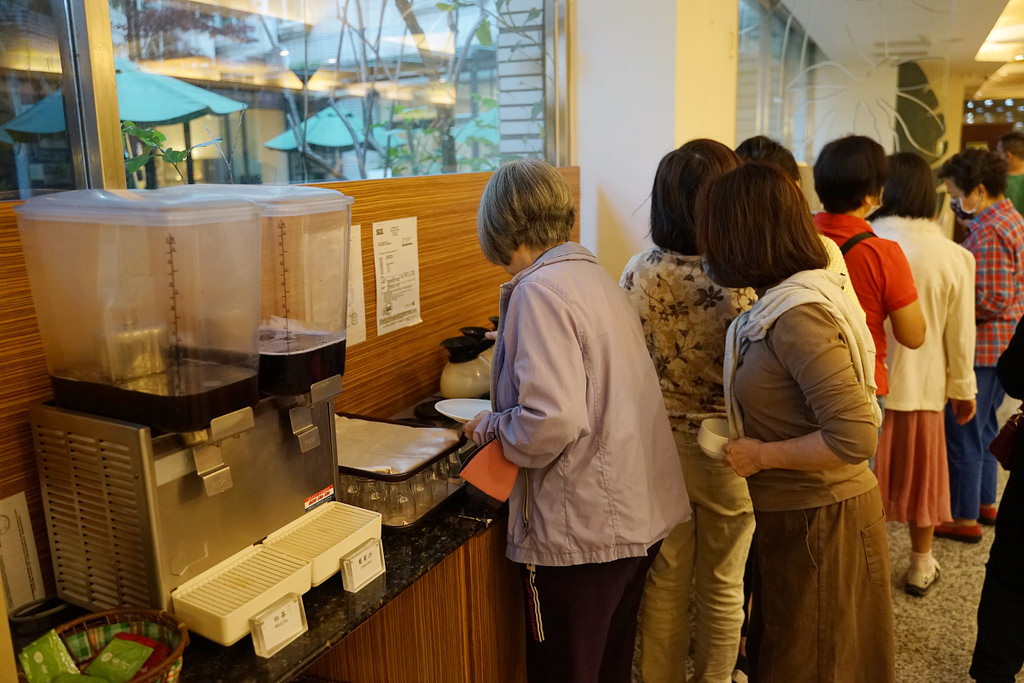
{"type": "Point", "coordinates": [972, 469]}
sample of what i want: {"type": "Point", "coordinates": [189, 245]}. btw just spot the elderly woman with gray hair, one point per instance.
{"type": "Point", "coordinates": [577, 407]}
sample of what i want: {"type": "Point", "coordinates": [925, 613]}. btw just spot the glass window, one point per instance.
{"type": "Point", "coordinates": [34, 153]}
{"type": "Point", "coordinates": [775, 78]}
{"type": "Point", "coordinates": [287, 91]}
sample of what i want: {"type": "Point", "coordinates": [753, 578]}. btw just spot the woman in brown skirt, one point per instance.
{"type": "Point", "coordinates": [799, 383]}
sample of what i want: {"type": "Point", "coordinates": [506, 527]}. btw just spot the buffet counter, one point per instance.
{"type": "Point", "coordinates": [446, 609]}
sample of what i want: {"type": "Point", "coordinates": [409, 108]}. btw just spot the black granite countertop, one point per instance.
{"type": "Point", "coordinates": [333, 613]}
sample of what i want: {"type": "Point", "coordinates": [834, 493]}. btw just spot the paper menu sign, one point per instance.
{"type": "Point", "coordinates": [355, 328]}
{"type": "Point", "coordinates": [397, 270]}
{"type": "Point", "coordinates": [19, 562]}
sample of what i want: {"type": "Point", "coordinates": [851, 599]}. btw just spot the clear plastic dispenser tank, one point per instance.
{"type": "Point", "coordinates": [303, 280]}
{"type": "Point", "coordinates": [148, 304]}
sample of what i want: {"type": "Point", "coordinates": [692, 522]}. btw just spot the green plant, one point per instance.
{"type": "Point", "coordinates": [151, 145]}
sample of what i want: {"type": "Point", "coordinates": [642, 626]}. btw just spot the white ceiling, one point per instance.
{"type": "Point", "coordinates": [890, 31]}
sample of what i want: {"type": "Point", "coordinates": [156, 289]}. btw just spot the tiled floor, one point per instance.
{"type": "Point", "coordinates": [935, 634]}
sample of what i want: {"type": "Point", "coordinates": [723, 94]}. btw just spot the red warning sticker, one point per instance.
{"type": "Point", "coordinates": [320, 497]}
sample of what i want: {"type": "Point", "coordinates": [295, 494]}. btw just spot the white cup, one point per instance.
{"type": "Point", "coordinates": [712, 437]}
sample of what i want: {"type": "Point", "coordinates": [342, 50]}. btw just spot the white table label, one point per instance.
{"type": "Point", "coordinates": [362, 565]}
{"type": "Point", "coordinates": [278, 625]}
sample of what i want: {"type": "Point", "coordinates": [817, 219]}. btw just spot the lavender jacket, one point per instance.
{"type": "Point", "coordinates": [578, 407]}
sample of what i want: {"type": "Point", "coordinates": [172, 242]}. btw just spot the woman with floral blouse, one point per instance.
{"type": "Point", "coordinates": [685, 317]}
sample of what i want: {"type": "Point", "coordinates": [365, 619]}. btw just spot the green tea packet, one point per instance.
{"type": "Point", "coordinates": [119, 661]}
{"type": "Point", "coordinates": [45, 658]}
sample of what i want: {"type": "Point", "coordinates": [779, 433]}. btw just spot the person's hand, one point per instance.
{"type": "Point", "coordinates": [744, 456]}
{"type": "Point", "coordinates": [491, 334]}
{"type": "Point", "coordinates": [471, 426]}
{"type": "Point", "coordinates": [963, 409]}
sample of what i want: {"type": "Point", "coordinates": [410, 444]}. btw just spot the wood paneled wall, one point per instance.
{"type": "Point", "coordinates": [382, 375]}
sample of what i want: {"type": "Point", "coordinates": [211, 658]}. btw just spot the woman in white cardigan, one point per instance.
{"type": "Point", "coordinates": [911, 464]}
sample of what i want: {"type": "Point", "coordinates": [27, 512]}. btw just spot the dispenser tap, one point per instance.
{"type": "Point", "coordinates": [206, 449]}
{"type": "Point", "coordinates": [301, 416]}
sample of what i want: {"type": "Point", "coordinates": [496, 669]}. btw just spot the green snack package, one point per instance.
{"type": "Point", "coordinates": [119, 660]}
{"type": "Point", "coordinates": [45, 658]}
{"type": "Point", "coordinates": [78, 678]}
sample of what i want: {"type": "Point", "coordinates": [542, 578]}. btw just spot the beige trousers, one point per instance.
{"type": "Point", "coordinates": [709, 553]}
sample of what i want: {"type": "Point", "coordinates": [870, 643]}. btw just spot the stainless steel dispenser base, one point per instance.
{"type": "Point", "coordinates": [129, 518]}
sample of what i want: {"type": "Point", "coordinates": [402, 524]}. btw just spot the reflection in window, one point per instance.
{"type": "Point", "coordinates": [307, 90]}
{"type": "Point", "coordinates": [34, 152]}
{"type": "Point", "coordinates": [775, 78]}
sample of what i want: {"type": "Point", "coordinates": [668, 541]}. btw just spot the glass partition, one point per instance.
{"type": "Point", "coordinates": [35, 156]}
{"type": "Point", "coordinates": [288, 91]}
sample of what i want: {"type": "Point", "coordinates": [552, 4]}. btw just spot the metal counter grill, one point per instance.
{"type": "Point", "coordinates": [96, 517]}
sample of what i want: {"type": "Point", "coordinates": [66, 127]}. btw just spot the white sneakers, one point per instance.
{"type": "Point", "coordinates": [919, 581]}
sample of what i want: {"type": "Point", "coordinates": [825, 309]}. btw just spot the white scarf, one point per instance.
{"type": "Point", "coordinates": [809, 286]}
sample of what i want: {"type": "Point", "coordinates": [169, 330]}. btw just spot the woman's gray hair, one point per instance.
{"type": "Point", "coordinates": [526, 203]}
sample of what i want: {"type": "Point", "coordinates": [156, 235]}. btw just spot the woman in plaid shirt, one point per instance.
{"type": "Point", "coordinates": [976, 182]}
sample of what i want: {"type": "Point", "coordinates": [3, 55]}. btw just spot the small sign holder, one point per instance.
{"type": "Point", "coordinates": [362, 565]}
{"type": "Point", "coordinates": [276, 626]}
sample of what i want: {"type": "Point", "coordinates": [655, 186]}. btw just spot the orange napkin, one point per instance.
{"type": "Point", "coordinates": [489, 471]}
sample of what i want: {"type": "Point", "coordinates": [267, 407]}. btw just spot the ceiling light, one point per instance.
{"type": "Point", "coordinates": [332, 60]}
{"type": "Point", "coordinates": [970, 105]}
{"type": "Point", "coordinates": [1008, 102]}
{"type": "Point", "coordinates": [284, 53]}
{"type": "Point", "coordinates": [1019, 58]}
{"type": "Point", "coordinates": [988, 103]}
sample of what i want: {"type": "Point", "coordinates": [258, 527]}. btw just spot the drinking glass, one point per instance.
{"type": "Point", "coordinates": [400, 508]}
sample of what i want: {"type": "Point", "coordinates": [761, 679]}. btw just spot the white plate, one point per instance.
{"type": "Point", "coordinates": [462, 409]}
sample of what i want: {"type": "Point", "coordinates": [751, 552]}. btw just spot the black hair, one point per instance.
{"type": "Point", "coordinates": [910, 189]}
{"type": "Point", "coordinates": [848, 170]}
{"type": "Point", "coordinates": [761, 148]}
{"type": "Point", "coordinates": [1013, 143]}
{"type": "Point", "coordinates": [680, 175]}
{"type": "Point", "coordinates": [973, 167]}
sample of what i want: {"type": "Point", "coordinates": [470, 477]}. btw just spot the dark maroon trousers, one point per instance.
{"type": "Point", "coordinates": [581, 620]}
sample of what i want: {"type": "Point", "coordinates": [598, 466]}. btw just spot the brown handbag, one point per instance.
{"type": "Point", "coordinates": [1004, 445]}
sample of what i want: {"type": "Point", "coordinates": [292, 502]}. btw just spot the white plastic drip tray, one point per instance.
{"type": "Point", "coordinates": [218, 603]}
{"type": "Point", "coordinates": [324, 535]}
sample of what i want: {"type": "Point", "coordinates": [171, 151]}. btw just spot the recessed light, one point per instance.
{"type": "Point", "coordinates": [1019, 58]}
{"type": "Point", "coordinates": [988, 103]}
{"type": "Point", "coordinates": [1008, 102]}
{"type": "Point", "coordinates": [284, 53]}
{"type": "Point", "coordinates": [970, 105]}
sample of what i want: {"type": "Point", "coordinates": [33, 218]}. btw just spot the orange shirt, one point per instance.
{"type": "Point", "coordinates": [880, 275]}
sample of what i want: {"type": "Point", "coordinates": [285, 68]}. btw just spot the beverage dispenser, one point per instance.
{"type": "Point", "coordinates": [164, 457]}
{"type": "Point", "coordinates": [303, 280]}
{"type": "Point", "coordinates": [148, 304]}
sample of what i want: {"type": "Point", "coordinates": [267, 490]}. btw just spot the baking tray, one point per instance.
{"type": "Point", "coordinates": [405, 499]}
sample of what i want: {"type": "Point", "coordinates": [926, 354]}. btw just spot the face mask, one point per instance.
{"type": "Point", "coordinates": [955, 204]}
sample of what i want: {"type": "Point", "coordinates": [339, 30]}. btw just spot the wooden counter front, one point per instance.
{"type": "Point", "coordinates": [461, 622]}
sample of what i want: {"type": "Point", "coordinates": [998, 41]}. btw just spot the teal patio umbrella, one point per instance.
{"type": "Point", "coordinates": [143, 97]}
{"type": "Point", "coordinates": [325, 129]}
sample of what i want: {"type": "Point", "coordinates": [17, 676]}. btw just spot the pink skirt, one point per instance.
{"type": "Point", "coordinates": [911, 467]}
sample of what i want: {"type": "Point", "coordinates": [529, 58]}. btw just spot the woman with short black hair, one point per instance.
{"type": "Point", "coordinates": [684, 317]}
{"type": "Point", "coordinates": [799, 388]}
{"type": "Point", "coordinates": [911, 465]}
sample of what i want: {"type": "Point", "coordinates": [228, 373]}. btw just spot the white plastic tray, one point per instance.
{"type": "Point", "coordinates": [324, 535]}
{"type": "Point", "coordinates": [218, 603]}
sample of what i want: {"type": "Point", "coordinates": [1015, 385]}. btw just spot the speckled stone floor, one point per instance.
{"type": "Point", "coordinates": [935, 634]}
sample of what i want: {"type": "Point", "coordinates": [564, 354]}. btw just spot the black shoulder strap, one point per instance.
{"type": "Point", "coordinates": [855, 240]}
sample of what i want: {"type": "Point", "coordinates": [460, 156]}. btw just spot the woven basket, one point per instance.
{"type": "Point", "coordinates": [87, 636]}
